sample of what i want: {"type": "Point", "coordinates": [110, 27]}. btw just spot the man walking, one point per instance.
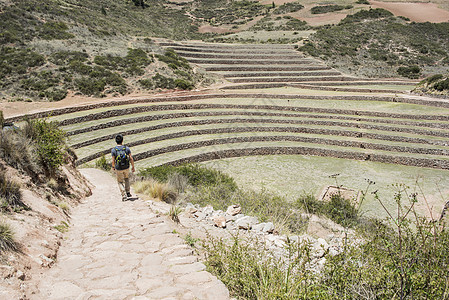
{"type": "Point", "coordinates": [121, 158]}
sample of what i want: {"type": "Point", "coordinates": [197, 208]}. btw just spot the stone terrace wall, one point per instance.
{"type": "Point", "coordinates": [437, 103]}
{"type": "Point", "coordinates": [140, 109]}
{"type": "Point", "coordinates": [257, 129]}
{"type": "Point", "coordinates": [420, 162]}
{"type": "Point", "coordinates": [408, 161]}
{"type": "Point", "coordinates": [265, 68]}
{"type": "Point", "coordinates": [284, 74]}
{"type": "Point", "coordinates": [150, 118]}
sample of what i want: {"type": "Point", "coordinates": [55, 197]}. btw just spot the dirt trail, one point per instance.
{"type": "Point", "coordinates": [124, 250]}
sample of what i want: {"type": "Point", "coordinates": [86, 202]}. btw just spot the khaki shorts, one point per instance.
{"type": "Point", "coordinates": [122, 175]}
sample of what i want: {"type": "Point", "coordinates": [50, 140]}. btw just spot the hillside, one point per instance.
{"type": "Point", "coordinates": [375, 43]}
{"type": "Point", "coordinates": [54, 49]}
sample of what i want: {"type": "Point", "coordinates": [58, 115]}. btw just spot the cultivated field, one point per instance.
{"type": "Point", "coordinates": [282, 121]}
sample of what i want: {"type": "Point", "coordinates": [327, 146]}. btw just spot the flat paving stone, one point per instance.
{"type": "Point", "coordinates": [123, 250]}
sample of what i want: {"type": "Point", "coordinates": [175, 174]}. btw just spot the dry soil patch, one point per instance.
{"type": "Point", "coordinates": [418, 12]}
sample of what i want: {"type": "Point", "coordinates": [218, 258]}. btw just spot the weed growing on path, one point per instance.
{"type": "Point", "coordinates": [63, 227]}
{"type": "Point", "coordinates": [191, 241]}
{"type": "Point", "coordinates": [174, 213]}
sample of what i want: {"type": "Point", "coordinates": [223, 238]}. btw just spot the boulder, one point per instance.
{"type": "Point", "coordinates": [220, 221]}
{"type": "Point", "coordinates": [258, 227]}
{"type": "Point", "coordinates": [268, 227]}
{"type": "Point", "coordinates": [200, 215]}
{"type": "Point", "coordinates": [246, 222]}
{"type": "Point", "coordinates": [233, 210]}
{"type": "Point", "coordinates": [208, 210]}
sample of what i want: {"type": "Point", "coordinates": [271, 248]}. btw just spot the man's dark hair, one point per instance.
{"type": "Point", "coordinates": [119, 138]}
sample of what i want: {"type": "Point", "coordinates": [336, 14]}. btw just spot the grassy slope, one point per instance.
{"type": "Point", "coordinates": [51, 48]}
{"type": "Point", "coordinates": [375, 43]}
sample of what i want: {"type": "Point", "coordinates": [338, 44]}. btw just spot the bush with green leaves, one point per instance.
{"type": "Point", "coordinates": [442, 85]}
{"type": "Point", "coordinates": [17, 61]}
{"type": "Point", "coordinates": [7, 241]}
{"type": "Point", "coordinates": [62, 58]}
{"type": "Point", "coordinates": [133, 63]}
{"type": "Point", "coordinates": [322, 9]}
{"type": "Point", "coordinates": [50, 143]}
{"type": "Point", "coordinates": [411, 72]}
{"type": "Point", "coordinates": [54, 31]}
{"type": "Point", "coordinates": [288, 8]}
{"type": "Point", "coordinates": [173, 60]}
{"type": "Point", "coordinates": [338, 209]}
{"type": "Point", "coordinates": [103, 164]}
{"type": "Point", "coordinates": [404, 259]}
{"type": "Point", "coordinates": [435, 84]}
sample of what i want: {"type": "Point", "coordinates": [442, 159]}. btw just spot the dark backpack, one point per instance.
{"type": "Point", "coordinates": [121, 158]}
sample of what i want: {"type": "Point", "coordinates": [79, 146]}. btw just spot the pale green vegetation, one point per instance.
{"type": "Point", "coordinates": [293, 175]}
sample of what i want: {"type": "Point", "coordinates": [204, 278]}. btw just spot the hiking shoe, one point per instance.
{"type": "Point", "coordinates": [128, 194]}
{"type": "Point", "coordinates": [124, 199]}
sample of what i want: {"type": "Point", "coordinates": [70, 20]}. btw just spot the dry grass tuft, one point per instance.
{"type": "Point", "coordinates": [155, 189]}
{"type": "Point", "coordinates": [7, 242]}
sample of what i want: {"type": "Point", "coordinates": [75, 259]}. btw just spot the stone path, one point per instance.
{"type": "Point", "coordinates": [124, 250]}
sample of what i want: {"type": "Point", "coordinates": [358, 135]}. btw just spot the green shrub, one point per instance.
{"type": "Point", "coordinates": [89, 86]}
{"type": "Point", "coordinates": [183, 84]}
{"type": "Point", "coordinates": [322, 9]}
{"type": "Point", "coordinates": [288, 8]}
{"type": "Point", "coordinates": [405, 260]}
{"type": "Point", "coordinates": [146, 84]}
{"type": "Point", "coordinates": [363, 2]}
{"type": "Point", "coordinates": [338, 209]}
{"type": "Point", "coordinates": [65, 57]}
{"type": "Point", "coordinates": [17, 61]}
{"type": "Point", "coordinates": [377, 13]}
{"type": "Point", "coordinates": [54, 94]}
{"type": "Point", "coordinates": [432, 79]}
{"type": "Point", "coordinates": [63, 227]}
{"type": "Point", "coordinates": [442, 85]}
{"type": "Point", "coordinates": [403, 257]}
{"type": "Point", "coordinates": [191, 241]}
{"type": "Point", "coordinates": [411, 72]}
{"type": "Point", "coordinates": [103, 164]}
{"type": "Point", "coordinates": [54, 31]}
{"type": "Point", "coordinates": [50, 142]}
{"type": "Point", "coordinates": [162, 82]}
{"type": "Point", "coordinates": [173, 60]}
{"type": "Point", "coordinates": [7, 242]}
